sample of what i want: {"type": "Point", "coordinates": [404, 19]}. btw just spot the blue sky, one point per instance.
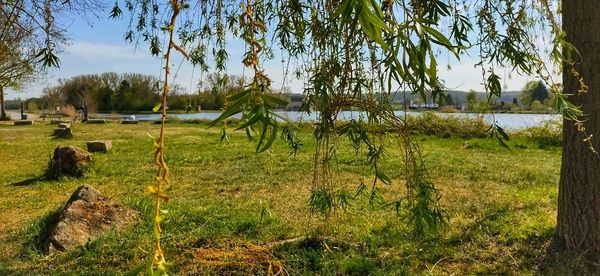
{"type": "Point", "coordinates": [98, 46]}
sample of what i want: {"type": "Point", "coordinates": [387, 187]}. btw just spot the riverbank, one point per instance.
{"type": "Point", "coordinates": [501, 205]}
{"type": "Point", "coordinates": [507, 121]}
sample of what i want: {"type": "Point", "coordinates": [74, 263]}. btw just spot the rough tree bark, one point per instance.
{"type": "Point", "coordinates": [579, 191]}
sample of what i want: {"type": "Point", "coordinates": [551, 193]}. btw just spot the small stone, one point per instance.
{"type": "Point", "coordinates": [99, 146]}
{"type": "Point", "coordinates": [23, 123]}
{"type": "Point", "coordinates": [63, 133]}
{"type": "Point", "coordinates": [86, 216]}
{"type": "Point", "coordinates": [68, 160]}
{"type": "Point", "coordinates": [57, 122]}
{"type": "Point", "coordinates": [64, 125]}
{"type": "Point", "coordinates": [96, 121]}
{"type": "Point", "coordinates": [466, 145]}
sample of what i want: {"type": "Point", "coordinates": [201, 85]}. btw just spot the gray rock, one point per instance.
{"type": "Point", "coordinates": [23, 123]}
{"type": "Point", "coordinates": [64, 125]}
{"type": "Point", "coordinates": [68, 160]}
{"type": "Point", "coordinates": [63, 133]}
{"type": "Point", "coordinates": [96, 121]}
{"type": "Point", "coordinates": [57, 122]}
{"type": "Point", "coordinates": [99, 146]}
{"type": "Point", "coordinates": [86, 216]}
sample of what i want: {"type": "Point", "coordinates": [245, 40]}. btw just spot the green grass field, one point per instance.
{"type": "Point", "coordinates": [501, 205]}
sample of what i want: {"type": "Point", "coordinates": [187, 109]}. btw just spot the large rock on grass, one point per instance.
{"type": "Point", "coordinates": [99, 146]}
{"type": "Point", "coordinates": [63, 133]}
{"type": "Point", "coordinates": [68, 160]}
{"type": "Point", "coordinates": [86, 216]}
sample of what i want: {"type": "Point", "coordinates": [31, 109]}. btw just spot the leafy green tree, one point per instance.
{"type": "Point", "coordinates": [16, 60]}
{"type": "Point", "coordinates": [449, 100]}
{"type": "Point", "coordinates": [125, 96]}
{"type": "Point", "coordinates": [533, 91]}
{"type": "Point", "coordinates": [537, 106]}
{"type": "Point", "coordinates": [445, 100]}
{"type": "Point", "coordinates": [471, 100]}
{"type": "Point", "coordinates": [52, 98]}
{"type": "Point", "coordinates": [540, 93]}
{"type": "Point", "coordinates": [31, 32]}
{"type": "Point", "coordinates": [15, 72]}
{"type": "Point", "coordinates": [79, 91]}
{"type": "Point", "coordinates": [33, 104]}
{"type": "Point", "coordinates": [104, 97]}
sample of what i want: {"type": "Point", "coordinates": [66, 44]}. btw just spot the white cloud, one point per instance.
{"type": "Point", "coordinates": [106, 52]}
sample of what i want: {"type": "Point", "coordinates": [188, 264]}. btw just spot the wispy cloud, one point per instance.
{"type": "Point", "coordinates": [106, 52]}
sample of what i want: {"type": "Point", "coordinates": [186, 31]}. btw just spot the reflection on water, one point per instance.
{"type": "Point", "coordinates": [508, 121]}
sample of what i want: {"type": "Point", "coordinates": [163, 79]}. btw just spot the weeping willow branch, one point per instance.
{"type": "Point", "coordinates": [162, 173]}
{"type": "Point", "coordinates": [336, 41]}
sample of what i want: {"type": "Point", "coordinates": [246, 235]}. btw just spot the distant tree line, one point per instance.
{"type": "Point", "coordinates": [130, 92]}
{"type": "Point", "coordinates": [534, 96]}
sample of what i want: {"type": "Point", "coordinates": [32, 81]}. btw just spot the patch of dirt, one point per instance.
{"type": "Point", "coordinates": [234, 258]}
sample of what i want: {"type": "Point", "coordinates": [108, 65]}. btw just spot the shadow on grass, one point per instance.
{"type": "Point", "coordinates": [559, 261]}
{"type": "Point", "coordinates": [48, 174]}
{"type": "Point", "coordinates": [37, 234]}
{"type": "Point", "coordinates": [29, 181]}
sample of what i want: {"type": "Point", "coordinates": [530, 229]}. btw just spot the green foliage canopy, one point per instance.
{"type": "Point", "coordinates": [108, 92]}
{"type": "Point", "coordinates": [534, 91]}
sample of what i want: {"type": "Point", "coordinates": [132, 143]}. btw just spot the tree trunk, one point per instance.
{"type": "Point", "coordinates": [85, 111]}
{"type": "Point", "coordinates": [3, 110]}
{"type": "Point", "coordinates": [579, 190]}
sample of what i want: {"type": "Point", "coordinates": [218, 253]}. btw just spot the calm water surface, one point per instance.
{"type": "Point", "coordinates": [508, 121]}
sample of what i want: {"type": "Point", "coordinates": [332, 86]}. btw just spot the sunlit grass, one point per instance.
{"type": "Point", "coordinates": [501, 203]}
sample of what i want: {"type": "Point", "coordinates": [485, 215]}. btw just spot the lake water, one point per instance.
{"type": "Point", "coordinates": [505, 120]}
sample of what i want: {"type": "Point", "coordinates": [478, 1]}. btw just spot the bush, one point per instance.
{"type": "Point", "coordinates": [546, 136]}
{"type": "Point", "coordinates": [429, 123]}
